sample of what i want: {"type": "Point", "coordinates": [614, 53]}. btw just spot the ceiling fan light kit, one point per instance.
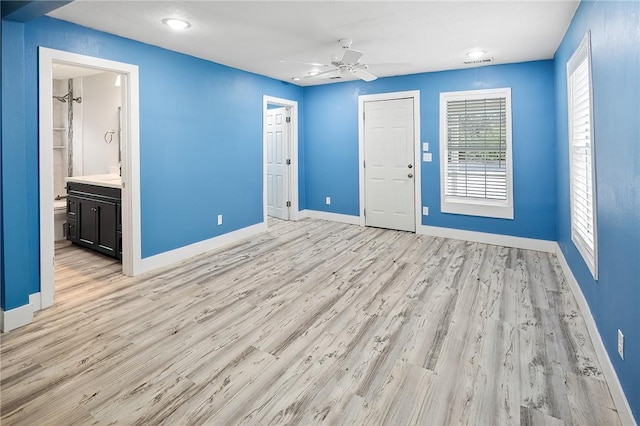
{"type": "Point", "coordinates": [476, 54]}
{"type": "Point", "coordinates": [176, 24]}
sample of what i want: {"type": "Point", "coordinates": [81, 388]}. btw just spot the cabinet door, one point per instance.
{"type": "Point", "coordinates": [87, 212]}
{"type": "Point", "coordinates": [72, 219]}
{"type": "Point", "coordinates": [106, 227]}
{"type": "Point", "coordinates": [72, 230]}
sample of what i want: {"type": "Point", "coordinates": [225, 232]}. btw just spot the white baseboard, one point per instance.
{"type": "Point", "coordinates": [486, 238]}
{"type": "Point", "coordinates": [334, 217]}
{"type": "Point", "coordinates": [17, 317]}
{"type": "Point", "coordinates": [610, 375]}
{"type": "Point", "coordinates": [35, 301]}
{"type": "Point", "coordinates": [182, 253]}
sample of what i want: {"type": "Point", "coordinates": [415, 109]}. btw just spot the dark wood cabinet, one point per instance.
{"type": "Point", "coordinates": [94, 218]}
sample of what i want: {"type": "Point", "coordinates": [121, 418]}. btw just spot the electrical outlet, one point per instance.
{"type": "Point", "coordinates": [621, 344]}
{"type": "Point", "coordinates": [426, 157]}
{"type": "Point", "coordinates": [425, 211]}
{"type": "Point", "coordinates": [219, 219]}
{"type": "Point", "coordinates": [327, 201]}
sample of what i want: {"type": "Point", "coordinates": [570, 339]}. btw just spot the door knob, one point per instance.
{"type": "Point", "coordinates": [410, 165]}
{"type": "Point", "coordinates": [410, 175]}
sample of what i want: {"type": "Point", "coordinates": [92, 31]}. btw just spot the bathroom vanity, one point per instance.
{"type": "Point", "coordinates": [94, 213]}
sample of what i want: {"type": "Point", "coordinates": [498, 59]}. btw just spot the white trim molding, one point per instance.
{"type": "Point", "coordinates": [583, 194]}
{"type": "Point", "coordinates": [417, 161]}
{"type": "Point", "coordinates": [467, 205]}
{"type": "Point", "coordinates": [334, 217]}
{"type": "Point", "coordinates": [293, 153]}
{"type": "Point", "coordinates": [486, 238]}
{"type": "Point", "coordinates": [174, 256]}
{"type": "Point", "coordinates": [131, 237]}
{"type": "Point", "coordinates": [610, 375]}
{"type": "Point", "coordinates": [22, 315]}
{"type": "Point", "coordinates": [35, 300]}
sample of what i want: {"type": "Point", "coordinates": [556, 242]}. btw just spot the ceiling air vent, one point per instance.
{"type": "Point", "coordinates": [478, 61]}
{"type": "Point", "coordinates": [337, 77]}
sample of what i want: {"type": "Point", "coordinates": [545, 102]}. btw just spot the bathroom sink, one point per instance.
{"type": "Point", "coordinates": [111, 181]}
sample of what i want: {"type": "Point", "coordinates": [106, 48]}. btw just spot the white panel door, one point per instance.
{"type": "Point", "coordinates": [277, 168]}
{"type": "Point", "coordinates": [389, 169]}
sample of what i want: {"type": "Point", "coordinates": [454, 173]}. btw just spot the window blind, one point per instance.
{"type": "Point", "coordinates": [476, 158]}
{"type": "Point", "coordinates": [581, 163]}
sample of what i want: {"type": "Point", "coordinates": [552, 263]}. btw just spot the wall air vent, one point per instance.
{"type": "Point", "coordinates": [478, 61]}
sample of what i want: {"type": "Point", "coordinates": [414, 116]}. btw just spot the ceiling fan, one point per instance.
{"type": "Point", "coordinates": [349, 64]}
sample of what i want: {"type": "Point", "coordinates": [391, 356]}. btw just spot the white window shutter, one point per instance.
{"type": "Point", "coordinates": [581, 156]}
{"type": "Point", "coordinates": [477, 149]}
{"type": "Point", "coordinates": [476, 160]}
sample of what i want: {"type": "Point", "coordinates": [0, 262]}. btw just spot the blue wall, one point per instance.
{"type": "Point", "coordinates": [1, 179]}
{"type": "Point", "coordinates": [200, 143]}
{"type": "Point", "coordinates": [20, 221]}
{"type": "Point", "coordinates": [331, 143]}
{"type": "Point", "coordinates": [615, 299]}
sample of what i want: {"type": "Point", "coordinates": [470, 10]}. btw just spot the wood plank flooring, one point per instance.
{"type": "Point", "coordinates": [312, 322]}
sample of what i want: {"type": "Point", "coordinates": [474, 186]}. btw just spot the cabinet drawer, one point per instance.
{"type": "Point", "coordinates": [72, 207]}
{"type": "Point", "coordinates": [95, 191]}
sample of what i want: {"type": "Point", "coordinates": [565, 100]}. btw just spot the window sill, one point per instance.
{"type": "Point", "coordinates": [471, 208]}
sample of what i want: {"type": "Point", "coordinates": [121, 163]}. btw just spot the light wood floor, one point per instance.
{"type": "Point", "coordinates": [312, 322]}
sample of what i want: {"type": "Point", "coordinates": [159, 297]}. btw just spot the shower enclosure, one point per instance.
{"type": "Point", "coordinates": [63, 103]}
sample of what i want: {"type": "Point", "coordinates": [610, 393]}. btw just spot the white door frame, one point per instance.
{"type": "Point", "coordinates": [293, 154]}
{"type": "Point", "coordinates": [411, 94]}
{"type": "Point", "coordinates": [131, 235]}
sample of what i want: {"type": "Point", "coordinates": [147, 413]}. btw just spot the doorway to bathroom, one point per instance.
{"type": "Point", "coordinates": [280, 143]}
{"type": "Point", "coordinates": [87, 131]}
{"type": "Point", "coordinates": [88, 134]}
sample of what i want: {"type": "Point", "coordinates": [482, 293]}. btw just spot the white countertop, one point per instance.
{"type": "Point", "coordinates": [110, 181]}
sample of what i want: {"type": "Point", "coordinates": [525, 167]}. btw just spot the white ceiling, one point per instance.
{"type": "Point", "coordinates": [257, 35]}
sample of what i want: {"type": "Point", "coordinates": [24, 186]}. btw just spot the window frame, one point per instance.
{"type": "Point", "coordinates": [501, 209]}
{"type": "Point", "coordinates": [579, 56]}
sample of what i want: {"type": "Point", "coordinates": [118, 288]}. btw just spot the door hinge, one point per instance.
{"type": "Point", "coordinates": [363, 114]}
{"type": "Point", "coordinates": [288, 119]}
{"type": "Point", "coordinates": [364, 163]}
{"type": "Point", "coordinates": [288, 203]}
{"type": "Point", "coordinates": [288, 161]}
{"type": "Point", "coordinates": [365, 212]}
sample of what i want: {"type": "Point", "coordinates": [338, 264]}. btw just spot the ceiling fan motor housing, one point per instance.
{"type": "Point", "coordinates": [345, 43]}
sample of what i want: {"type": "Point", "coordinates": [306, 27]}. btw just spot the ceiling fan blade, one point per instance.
{"type": "Point", "coordinates": [320, 75]}
{"type": "Point", "coordinates": [314, 64]}
{"type": "Point", "coordinates": [363, 75]}
{"type": "Point", "coordinates": [351, 56]}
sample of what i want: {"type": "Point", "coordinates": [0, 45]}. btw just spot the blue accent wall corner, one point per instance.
{"type": "Point", "coordinates": [614, 299]}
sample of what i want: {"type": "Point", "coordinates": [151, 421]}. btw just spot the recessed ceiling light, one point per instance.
{"type": "Point", "coordinates": [295, 78]}
{"type": "Point", "coordinates": [312, 73]}
{"type": "Point", "coordinates": [176, 24]}
{"type": "Point", "coordinates": [475, 54]}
